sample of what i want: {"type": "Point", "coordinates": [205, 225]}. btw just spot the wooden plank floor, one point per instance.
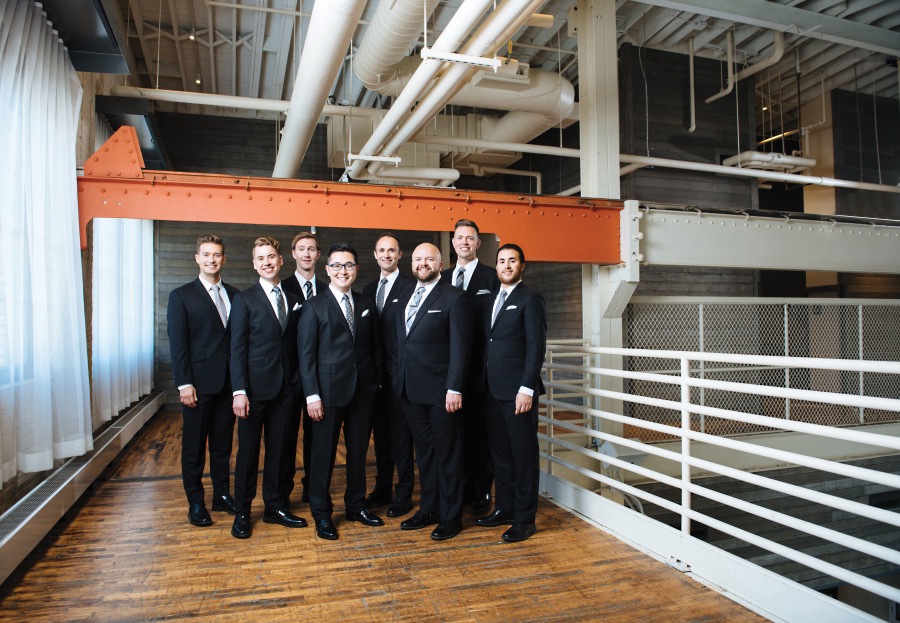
{"type": "Point", "coordinates": [127, 553]}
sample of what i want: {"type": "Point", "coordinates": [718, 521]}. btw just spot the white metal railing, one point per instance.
{"type": "Point", "coordinates": [579, 429]}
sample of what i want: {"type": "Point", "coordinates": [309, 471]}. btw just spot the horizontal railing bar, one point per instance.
{"type": "Point", "coordinates": [805, 559]}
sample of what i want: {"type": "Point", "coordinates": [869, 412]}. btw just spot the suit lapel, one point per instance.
{"type": "Point", "coordinates": [510, 300]}
{"type": "Point", "coordinates": [425, 304]}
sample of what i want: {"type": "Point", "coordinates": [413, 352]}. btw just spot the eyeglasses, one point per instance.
{"type": "Point", "coordinates": [349, 267]}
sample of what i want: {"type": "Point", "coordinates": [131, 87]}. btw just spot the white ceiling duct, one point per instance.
{"type": "Point", "coordinates": [331, 27]}
{"type": "Point", "coordinates": [394, 30]}
{"type": "Point", "coordinates": [499, 26]}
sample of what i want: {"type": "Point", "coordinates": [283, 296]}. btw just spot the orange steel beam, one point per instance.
{"type": "Point", "coordinates": [549, 228]}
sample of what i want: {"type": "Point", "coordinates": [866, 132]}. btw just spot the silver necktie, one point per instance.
{"type": "Point", "coordinates": [499, 306]}
{"type": "Point", "coordinates": [220, 304]}
{"type": "Point", "coordinates": [379, 296]}
{"type": "Point", "coordinates": [414, 307]}
{"type": "Point", "coordinates": [461, 279]}
{"type": "Point", "coordinates": [279, 304]}
{"type": "Point", "coordinates": [348, 312]}
{"type": "Point", "coordinates": [307, 288]}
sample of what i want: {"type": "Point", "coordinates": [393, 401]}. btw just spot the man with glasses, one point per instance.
{"type": "Point", "coordinates": [340, 363]}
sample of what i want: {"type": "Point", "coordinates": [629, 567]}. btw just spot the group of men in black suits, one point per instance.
{"type": "Point", "coordinates": [415, 348]}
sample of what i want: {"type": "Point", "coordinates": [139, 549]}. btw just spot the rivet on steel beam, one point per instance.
{"type": "Point", "coordinates": [209, 195]}
{"type": "Point", "coordinates": [146, 192]}
{"type": "Point", "coordinates": [108, 173]}
{"type": "Point", "coordinates": [189, 194]}
{"type": "Point", "coordinates": [271, 198]}
{"type": "Point", "coordinates": [307, 200]}
{"type": "Point", "coordinates": [168, 193]}
{"type": "Point", "coordinates": [124, 191]}
{"type": "Point", "coordinates": [96, 158]}
{"type": "Point", "coordinates": [289, 199]}
{"type": "Point", "coordinates": [89, 172]}
{"type": "Point", "coordinates": [249, 197]}
{"type": "Point", "coordinates": [541, 213]}
{"type": "Point", "coordinates": [102, 190]}
{"type": "Point", "coordinates": [118, 174]}
{"type": "Point", "coordinates": [237, 181]}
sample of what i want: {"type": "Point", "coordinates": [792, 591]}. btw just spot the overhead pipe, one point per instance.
{"type": "Point", "coordinates": [331, 27]}
{"type": "Point", "coordinates": [769, 61]}
{"type": "Point", "coordinates": [499, 26]}
{"type": "Point", "coordinates": [414, 175]}
{"type": "Point", "coordinates": [756, 173]}
{"type": "Point", "coordinates": [235, 101]}
{"type": "Point", "coordinates": [460, 25]}
{"type": "Point", "coordinates": [693, 97]}
{"type": "Point", "coordinates": [480, 170]}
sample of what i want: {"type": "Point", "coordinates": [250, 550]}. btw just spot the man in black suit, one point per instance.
{"type": "Point", "coordinates": [303, 283]}
{"type": "Point", "coordinates": [199, 334]}
{"type": "Point", "coordinates": [390, 432]}
{"type": "Point", "coordinates": [433, 349]}
{"type": "Point", "coordinates": [340, 362]}
{"type": "Point", "coordinates": [479, 282]}
{"type": "Point", "coordinates": [266, 384]}
{"type": "Point", "coordinates": [516, 328]}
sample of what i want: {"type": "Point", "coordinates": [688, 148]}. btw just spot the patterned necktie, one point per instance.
{"type": "Point", "coordinates": [279, 305]}
{"type": "Point", "coordinates": [220, 304]}
{"type": "Point", "coordinates": [461, 279]}
{"type": "Point", "coordinates": [379, 296]}
{"type": "Point", "coordinates": [499, 306]}
{"type": "Point", "coordinates": [307, 288]}
{"type": "Point", "coordinates": [348, 312]}
{"type": "Point", "coordinates": [414, 307]}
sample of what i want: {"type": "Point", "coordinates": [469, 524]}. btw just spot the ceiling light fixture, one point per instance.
{"type": "Point", "coordinates": [198, 78]}
{"type": "Point", "coordinates": [193, 34]}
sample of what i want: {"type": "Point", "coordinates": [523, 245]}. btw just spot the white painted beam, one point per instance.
{"type": "Point", "coordinates": [736, 241]}
{"type": "Point", "coordinates": [791, 19]}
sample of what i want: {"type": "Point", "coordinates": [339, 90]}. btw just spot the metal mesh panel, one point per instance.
{"type": "Point", "coordinates": [828, 330]}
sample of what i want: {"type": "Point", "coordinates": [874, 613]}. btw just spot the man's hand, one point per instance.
{"type": "Point", "coordinates": [523, 403]}
{"type": "Point", "coordinates": [453, 402]}
{"type": "Point", "coordinates": [316, 410]}
{"type": "Point", "coordinates": [241, 406]}
{"type": "Point", "coordinates": [188, 396]}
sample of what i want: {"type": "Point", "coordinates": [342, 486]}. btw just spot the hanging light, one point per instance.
{"type": "Point", "coordinates": [193, 34]}
{"type": "Point", "coordinates": [198, 78]}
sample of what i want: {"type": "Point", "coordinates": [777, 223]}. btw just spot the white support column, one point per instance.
{"type": "Point", "coordinates": [605, 290]}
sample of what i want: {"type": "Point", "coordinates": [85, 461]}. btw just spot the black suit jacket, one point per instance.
{"type": "Point", "coordinates": [515, 347]}
{"type": "Point", "coordinates": [198, 342]}
{"type": "Point", "coordinates": [434, 356]}
{"type": "Point", "coordinates": [393, 305]}
{"type": "Point", "coordinates": [480, 294]}
{"type": "Point", "coordinates": [335, 363]}
{"type": "Point", "coordinates": [292, 284]}
{"type": "Point", "coordinates": [263, 357]}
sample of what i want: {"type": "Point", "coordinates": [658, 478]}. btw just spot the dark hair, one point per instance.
{"type": "Point", "coordinates": [210, 238]}
{"type": "Point", "coordinates": [515, 248]}
{"type": "Point", "coordinates": [303, 235]}
{"type": "Point", "coordinates": [388, 234]}
{"type": "Point", "coordinates": [342, 247]}
{"type": "Point", "coordinates": [464, 222]}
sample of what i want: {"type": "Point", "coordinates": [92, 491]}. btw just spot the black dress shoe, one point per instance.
{"type": "Point", "coordinates": [481, 505]}
{"type": "Point", "coordinates": [519, 532]}
{"type": "Point", "coordinates": [399, 508]}
{"type": "Point", "coordinates": [419, 520]}
{"type": "Point", "coordinates": [497, 518]}
{"type": "Point", "coordinates": [225, 503]}
{"type": "Point", "coordinates": [325, 529]}
{"type": "Point", "coordinates": [199, 516]}
{"type": "Point", "coordinates": [284, 518]}
{"type": "Point", "coordinates": [447, 530]}
{"type": "Point", "coordinates": [378, 498]}
{"type": "Point", "coordinates": [366, 518]}
{"type": "Point", "coordinates": [241, 528]}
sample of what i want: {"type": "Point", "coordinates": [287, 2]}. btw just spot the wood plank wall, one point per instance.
{"type": "Point", "coordinates": [175, 265]}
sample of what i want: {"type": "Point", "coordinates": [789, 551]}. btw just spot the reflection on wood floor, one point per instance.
{"type": "Point", "coordinates": [127, 553]}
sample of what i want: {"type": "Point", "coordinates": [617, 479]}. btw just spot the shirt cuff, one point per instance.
{"type": "Point", "coordinates": [527, 391]}
{"type": "Point", "coordinates": [312, 399]}
{"type": "Point", "coordinates": [453, 391]}
{"type": "Point", "coordinates": [180, 387]}
{"type": "Point", "coordinates": [240, 392]}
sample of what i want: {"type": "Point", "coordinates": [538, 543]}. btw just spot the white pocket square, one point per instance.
{"type": "Point", "coordinates": [510, 307]}
{"type": "Point", "coordinates": [365, 313]}
{"type": "Point", "coordinates": [395, 300]}
{"type": "Point", "coordinates": [434, 311]}
{"type": "Point", "coordinates": [484, 292]}
{"type": "Point", "coordinates": [297, 306]}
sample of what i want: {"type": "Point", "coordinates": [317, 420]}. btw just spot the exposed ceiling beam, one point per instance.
{"type": "Point", "coordinates": [790, 19]}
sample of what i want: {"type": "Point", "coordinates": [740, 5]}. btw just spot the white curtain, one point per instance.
{"type": "Point", "coordinates": [44, 395]}
{"type": "Point", "coordinates": [122, 324]}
